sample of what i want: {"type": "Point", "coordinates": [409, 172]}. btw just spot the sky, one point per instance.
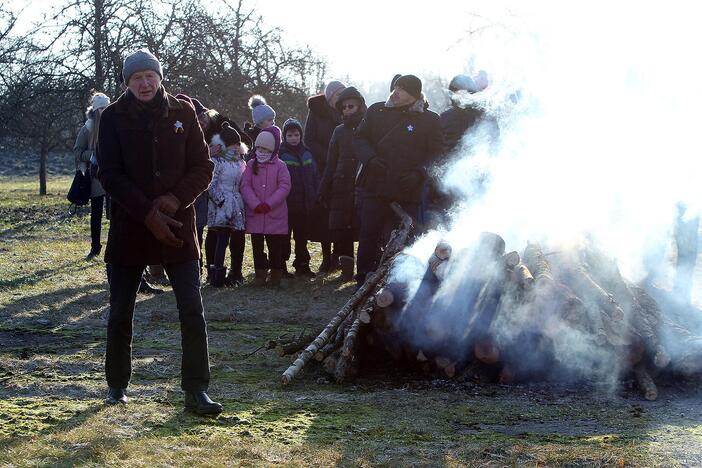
{"type": "Point", "coordinates": [371, 40]}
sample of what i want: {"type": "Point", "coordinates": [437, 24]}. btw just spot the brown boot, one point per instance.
{"type": "Point", "coordinates": [346, 263]}
{"type": "Point", "coordinates": [276, 276]}
{"type": "Point", "coordinates": [260, 278]}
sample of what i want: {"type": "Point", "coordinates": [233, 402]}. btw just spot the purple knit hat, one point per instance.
{"type": "Point", "coordinates": [275, 132]}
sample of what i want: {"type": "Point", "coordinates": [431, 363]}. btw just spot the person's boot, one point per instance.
{"type": "Point", "coordinates": [94, 251]}
{"type": "Point", "coordinates": [156, 274]}
{"type": "Point", "coordinates": [334, 264]}
{"type": "Point", "coordinates": [116, 396]}
{"type": "Point", "coordinates": [146, 288]}
{"type": "Point", "coordinates": [324, 266]}
{"type": "Point", "coordinates": [347, 265]}
{"type": "Point", "coordinates": [304, 271]}
{"type": "Point", "coordinates": [260, 278]}
{"type": "Point", "coordinates": [220, 274]}
{"type": "Point", "coordinates": [200, 403]}
{"type": "Point", "coordinates": [276, 276]}
{"type": "Point", "coordinates": [235, 278]}
{"type": "Point", "coordinates": [286, 273]}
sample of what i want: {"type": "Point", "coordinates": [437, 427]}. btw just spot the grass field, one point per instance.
{"type": "Point", "coordinates": [53, 304]}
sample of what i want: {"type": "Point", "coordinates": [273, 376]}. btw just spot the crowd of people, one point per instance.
{"type": "Point", "coordinates": [330, 180]}
{"type": "Point", "coordinates": [167, 167]}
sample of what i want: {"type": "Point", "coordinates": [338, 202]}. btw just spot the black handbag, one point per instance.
{"type": "Point", "coordinates": [79, 193]}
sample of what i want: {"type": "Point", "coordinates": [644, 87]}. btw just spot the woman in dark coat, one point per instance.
{"type": "Point", "coordinates": [337, 190]}
{"type": "Point", "coordinates": [322, 119]}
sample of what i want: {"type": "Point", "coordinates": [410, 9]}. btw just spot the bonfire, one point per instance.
{"type": "Point", "coordinates": [485, 315]}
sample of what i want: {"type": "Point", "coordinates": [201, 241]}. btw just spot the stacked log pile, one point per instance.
{"type": "Point", "coordinates": [484, 315]}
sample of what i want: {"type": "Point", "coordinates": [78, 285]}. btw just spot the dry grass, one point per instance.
{"type": "Point", "coordinates": [52, 331]}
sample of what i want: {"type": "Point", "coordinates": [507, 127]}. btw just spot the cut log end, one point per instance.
{"type": "Point", "coordinates": [384, 298]}
{"type": "Point", "coordinates": [486, 352]}
{"type": "Point", "coordinates": [511, 259]}
{"type": "Point", "coordinates": [443, 250]}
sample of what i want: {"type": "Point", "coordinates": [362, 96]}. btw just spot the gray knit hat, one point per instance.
{"type": "Point", "coordinates": [140, 60]}
{"type": "Point", "coordinates": [260, 111]}
{"type": "Point", "coordinates": [332, 88]}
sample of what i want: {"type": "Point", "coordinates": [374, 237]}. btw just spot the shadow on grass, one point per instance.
{"type": "Point", "coordinates": [34, 277]}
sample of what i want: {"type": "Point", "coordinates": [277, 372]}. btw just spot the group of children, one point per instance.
{"type": "Point", "coordinates": [265, 191]}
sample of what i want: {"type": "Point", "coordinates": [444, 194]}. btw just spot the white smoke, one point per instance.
{"type": "Point", "coordinates": [604, 139]}
{"type": "Point", "coordinates": [598, 108]}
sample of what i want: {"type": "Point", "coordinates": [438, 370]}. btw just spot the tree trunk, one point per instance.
{"type": "Point", "coordinates": [43, 158]}
{"type": "Point", "coordinates": [98, 20]}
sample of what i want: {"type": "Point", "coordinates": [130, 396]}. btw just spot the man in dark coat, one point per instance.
{"type": "Point", "coordinates": [153, 161]}
{"type": "Point", "coordinates": [397, 141]}
{"type": "Point", "coordinates": [338, 190]}
{"type": "Point", "coordinates": [463, 115]}
{"type": "Point", "coordinates": [322, 119]}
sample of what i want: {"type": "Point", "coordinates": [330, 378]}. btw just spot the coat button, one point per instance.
{"type": "Point", "coordinates": [157, 174]}
{"type": "Point", "coordinates": [156, 140]}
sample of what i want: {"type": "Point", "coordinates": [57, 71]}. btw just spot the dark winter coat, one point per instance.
{"type": "Point", "coordinates": [404, 142]}
{"type": "Point", "coordinates": [304, 179]}
{"type": "Point", "coordinates": [456, 121]}
{"type": "Point", "coordinates": [338, 188]}
{"type": "Point", "coordinates": [142, 154]}
{"type": "Point", "coordinates": [319, 126]}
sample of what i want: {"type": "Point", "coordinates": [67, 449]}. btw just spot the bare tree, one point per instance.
{"type": "Point", "coordinates": [221, 58]}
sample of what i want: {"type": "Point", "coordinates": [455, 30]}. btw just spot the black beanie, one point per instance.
{"type": "Point", "coordinates": [411, 84]}
{"type": "Point", "coordinates": [228, 135]}
{"type": "Point", "coordinates": [199, 108]}
{"type": "Point", "coordinates": [290, 124]}
{"type": "Point", "coordinates": [394, 82]}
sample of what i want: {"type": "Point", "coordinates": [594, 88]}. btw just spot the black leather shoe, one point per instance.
{"type": "Point", "coordinates": [146, 288]}
{"type": "Point", "coordinates": [305, 272]}
{"type": "Point", "coordinates": [200, 403]}
{"type": "Point", "coordinates": [94, 252]}
{"type": "Point", "coordinates": [115, 396]}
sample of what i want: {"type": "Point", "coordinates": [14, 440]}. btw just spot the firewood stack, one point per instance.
{"type": "Point", "coordinates": [484, 315]}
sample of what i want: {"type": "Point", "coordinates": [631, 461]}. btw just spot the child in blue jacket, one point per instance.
{"type": "Point", "coordinates": [304, 181]}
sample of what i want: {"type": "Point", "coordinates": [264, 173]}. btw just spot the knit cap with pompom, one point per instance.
{"type": "Point", "coordinates": [260, 111]}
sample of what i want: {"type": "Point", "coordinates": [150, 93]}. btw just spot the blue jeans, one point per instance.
{"type": "Point", "coordinates": [185, 279]}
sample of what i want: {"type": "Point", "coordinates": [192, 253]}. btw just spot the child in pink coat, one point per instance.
{"type": "Point", "coordinates": [265, 186]}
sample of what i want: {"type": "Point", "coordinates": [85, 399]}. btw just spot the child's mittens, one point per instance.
{"type": "Point", "coordinates": [262, 208]}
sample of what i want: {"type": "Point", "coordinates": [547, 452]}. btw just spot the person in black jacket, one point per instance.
{"type": "Point", "coordinates": [464, 115]}
{"type": "Point", "coordinates": [397, 142]}
{"type": "Point", "coordinates": [337, 190]}
{"type": "Point", "coordinates": [322, 119]}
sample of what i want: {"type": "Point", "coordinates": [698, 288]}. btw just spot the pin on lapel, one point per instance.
{"type": "Point", "coordinates": [178, 127]}
{"type": "Point", "coordinates": [410, 128]}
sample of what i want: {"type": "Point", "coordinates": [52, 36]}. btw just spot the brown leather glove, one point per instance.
{"type": "Point", "coordinates": [167, 203]}
{"type": "Point", "coordinates": [159, 225]}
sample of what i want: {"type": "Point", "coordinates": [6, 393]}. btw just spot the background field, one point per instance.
{"type": "Point", "coordinates": [52, 332]}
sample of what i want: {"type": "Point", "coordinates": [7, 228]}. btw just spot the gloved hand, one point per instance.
{"type": "Point", "coordinates": [411, 181]}
{"type": "Point", "coordinates": [167, 203]}
{"type": "Point", "coordinates": [159, 225]}
{"type": "Point", "coordinates": [262, 208]}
